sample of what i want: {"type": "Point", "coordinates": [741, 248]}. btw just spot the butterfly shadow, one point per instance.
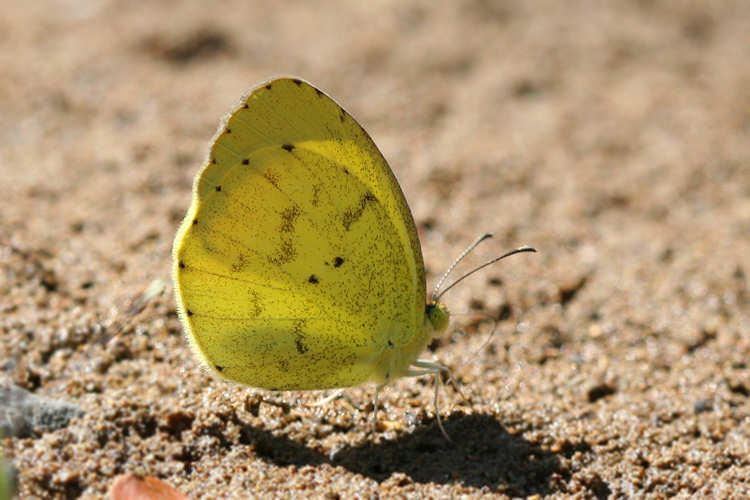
{"type": "Point", "coordinates": [483, 455]}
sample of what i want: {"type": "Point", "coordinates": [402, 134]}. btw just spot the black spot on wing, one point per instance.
{"type": "Point", "coordinates": [218, 189]}
{"type": "Point", "coordinates": [288, 147]}
{"type": "Point", "coordinates": [189, 312]}
{"type": "Point", "coordinates": [228, 130]}
{"type": "Point", "coordinates": [219, 368]}
{"type": "Point", "coordinates": [297, 81]}
{"type": "Point", "coordinates": [313, 279]}
{"type": "Point", "coordinates": [337, 262]}
{"type": "Point", "coordinates": [181, 265]}
{"type": "Point", "coordinates": [246, 161]}
{"type": "Point", "coordinates": [268, 86]}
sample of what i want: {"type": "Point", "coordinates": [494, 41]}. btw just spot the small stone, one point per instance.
{"type": "Point", "coordinates": [24, 414]}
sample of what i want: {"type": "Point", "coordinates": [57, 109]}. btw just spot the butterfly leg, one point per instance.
{"type": "Point", "coordinates": [327, 399]}
{"type": "Point", "coordinates": [375, 407]}
{"type": "Point", "coordinates": [431, 368]}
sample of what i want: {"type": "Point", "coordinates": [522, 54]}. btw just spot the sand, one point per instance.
{"type": "Point", "coordinates": [612, 136]}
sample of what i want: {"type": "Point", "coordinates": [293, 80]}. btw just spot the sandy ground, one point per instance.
{"type": "Point", "coordinates": [612, 136]}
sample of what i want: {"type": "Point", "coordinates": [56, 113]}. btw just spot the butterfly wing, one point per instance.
{"type": "Point", "coordinates": [298, 263]}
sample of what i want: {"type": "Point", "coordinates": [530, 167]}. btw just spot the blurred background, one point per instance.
{"type": "Point", "coordinates": [612, 136]}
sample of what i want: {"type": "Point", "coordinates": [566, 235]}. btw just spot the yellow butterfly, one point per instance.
{"type": "Point", "coordinates": [298, 264]}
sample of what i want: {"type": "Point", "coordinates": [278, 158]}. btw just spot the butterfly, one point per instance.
{"type": "Point", "coordinates": [298, 264]}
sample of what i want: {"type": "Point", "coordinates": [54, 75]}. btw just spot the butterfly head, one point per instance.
{"type": "Point", "coordinates": [438, 316]}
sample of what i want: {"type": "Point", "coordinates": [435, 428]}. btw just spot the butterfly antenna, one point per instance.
{"type": "Point", "coordinates": [436, 296]}
{"type": "Point", "coordinates": [436, 292]}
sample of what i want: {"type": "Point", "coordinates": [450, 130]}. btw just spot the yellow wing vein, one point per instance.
{"type": "Point", "coordinates": [247, 124]}
{"type": "Point", "coordinates": [241, 280]}
{"type": "Point", "coordinates": [282, 117]}
{"type": "Point", "coordinates": [248, 319]}
{"type": "Point", "coordinates": [228, 149]}
{"type": "Point", "coordinates": [230, 298]}
{"type": "Point", "coordinates": [203, 227]}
